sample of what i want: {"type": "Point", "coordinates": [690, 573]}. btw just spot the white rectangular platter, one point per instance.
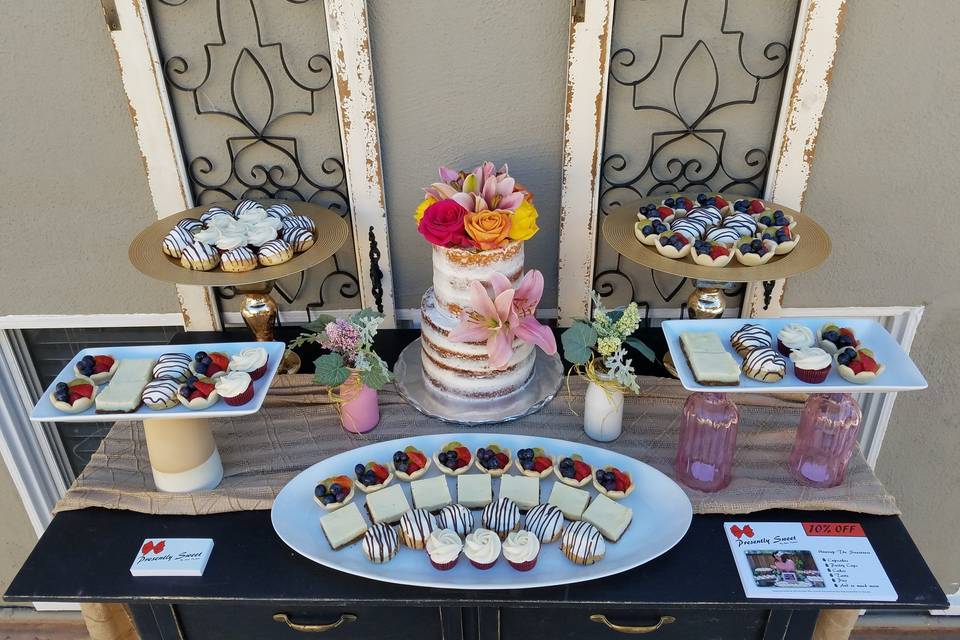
{"type": "Point", "coordinates": [45, 411]}
{"type": "Point", "coordinates": [901, 373]}
{"type": "Point", "coordinates": [661, 516]}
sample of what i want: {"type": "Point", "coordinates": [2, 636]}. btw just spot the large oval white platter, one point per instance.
{"type": "Point", "coordinates": [661, 516]}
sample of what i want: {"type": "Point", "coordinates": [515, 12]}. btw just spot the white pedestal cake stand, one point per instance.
{"type": "Point", "coordinates": [542, 387]}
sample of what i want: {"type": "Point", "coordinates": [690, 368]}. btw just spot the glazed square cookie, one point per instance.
{"type": "Point", "coordinates": [523, 490]}
{"type": "Point", "coordinates": [474, 490]}
{"type": "Point", "coordinates": [610, 517]}
{"type": "Point", "coordinates": [431, 493]}
{"type": "Point", "coordinates": [387, 504]}
{"type": "Point", "coordinates": [343, 526]}
{"type": "Point", "coordinates": [570, 500]}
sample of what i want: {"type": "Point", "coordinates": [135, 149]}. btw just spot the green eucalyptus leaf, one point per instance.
{"type": "Point", "coordinates": [377, 377]}
{"type": "Point", "coordinates": [578, 341]}
{"type": "Point", "coordinates": [330, 370]}
{"type": "Point", "coordinates": [641, 348]}
{"type": "Point", "coordinates": [320, 323]}
{"type": "Point", "coordinates": [364, 313]}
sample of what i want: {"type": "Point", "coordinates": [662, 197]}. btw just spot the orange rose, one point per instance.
{"type": "Point", "coordinates": [489, 229]}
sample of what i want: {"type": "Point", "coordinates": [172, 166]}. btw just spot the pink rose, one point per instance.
{"type": "Point", "coordinates": [442, 225]}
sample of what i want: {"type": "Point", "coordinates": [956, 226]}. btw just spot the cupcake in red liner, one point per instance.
{"type": "Point", "coordinates": [252, 361]}
{"type": "Point", "coordinates": [482, 548]}
{"type": "Point", "coordinates": [521, 549]}
{"type": "Point", "coordinates": [794, 336]}
{"type": "Point", "coordinates": [236, 388]}
{"type": "Point", "coordinates": [444, 547]}
{"type": "Point", "coordinates": [811, 365]}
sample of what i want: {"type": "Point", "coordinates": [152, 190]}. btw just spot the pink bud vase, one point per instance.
{"type": "Point", "coordinates": [708, 436]}
{"type": "Point", "coordinates": [360, 409]}
{"type": "Point", "coordinates": [829, 426]}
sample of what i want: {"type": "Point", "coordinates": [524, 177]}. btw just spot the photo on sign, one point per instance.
{"type": "Point", "coordinates": [784, 568]}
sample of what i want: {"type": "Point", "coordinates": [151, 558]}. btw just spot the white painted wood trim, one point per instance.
{"type": "Point", "coordinates": [902, 323]}
{"type": "Point", "coordinates": [157, 136]}
{"type": "Point", "coordinates": [584, 123]}
{"type": "Point", "coordinates": [819, 24]}
{"type": "Point", "coordinates": [96, 320]}
{"type": "Point", "coordinates": [349, 36]}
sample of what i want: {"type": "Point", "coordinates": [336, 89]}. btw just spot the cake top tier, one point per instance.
{"type": "Point", "coordinates": [454, 269]}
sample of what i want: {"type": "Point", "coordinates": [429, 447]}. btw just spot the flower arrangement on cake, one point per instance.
{"type": "Point", "coordinates": [352, 367]}
{"type": "Point", "coordinates": [478, 322]}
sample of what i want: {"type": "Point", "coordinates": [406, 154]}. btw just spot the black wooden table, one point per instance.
{"type": "Point", "coordinates": [255, 587]}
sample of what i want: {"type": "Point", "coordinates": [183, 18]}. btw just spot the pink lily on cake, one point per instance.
{"type": "Point", "coordinates": [508, 314]}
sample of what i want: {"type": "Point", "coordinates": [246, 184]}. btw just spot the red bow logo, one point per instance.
{"type": "Point", "coordinates": [739, 533]}
{"type": "Point", "coordinates": [157, 548]}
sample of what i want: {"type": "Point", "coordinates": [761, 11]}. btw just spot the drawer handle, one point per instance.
{"type": "Point", "coordinates": [314, 628]}
{"type": "Point", "coordinates": [623, 629]}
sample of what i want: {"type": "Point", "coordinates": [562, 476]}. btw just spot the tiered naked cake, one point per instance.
{"type": "Point", "coordinates": [462, 369]}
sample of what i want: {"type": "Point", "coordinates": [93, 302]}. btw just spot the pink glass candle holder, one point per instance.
{"type": "Point", "coordinates": [360, 409]}
{"type": "Point", "coordinates": [708, 436]}
{"type": "Point", "coordinates": [828, 431]}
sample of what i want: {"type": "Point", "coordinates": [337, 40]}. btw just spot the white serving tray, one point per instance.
{"type": "Point", "coordinates": [901, 373]}
{"type": "Point", "coordinates": [45, 411]}
{"type": "Point", "coordinates": [661, 516]}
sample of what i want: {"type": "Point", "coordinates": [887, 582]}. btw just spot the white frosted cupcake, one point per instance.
{"type": "Point", "coordinates": [252, 360]}
{"type": "Point", "coordinates": [235, 387]}
{"type": "Point", "coordinates": [521, 549]}
{"type": "Point", "coordinates": [794, 336]}
{"type": "Point", "coordinates": [482, 548]}
{"type": "Point", "coordinates": [811, 364]}
{"type": "Point", "coordinates": [444, 547]}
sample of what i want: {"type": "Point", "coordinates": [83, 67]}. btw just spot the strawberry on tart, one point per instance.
{"type": "Point", "coordinates": [74, 396]}
{"type": "Point", "coordinates": [410, 464]}
{"type": "Point", "coordinates": [210, 365]}
{"type": "Point", "coordinates": [198, 393]}
{"type": "Point", "coordinates": [453, 459]}
{"type": "Point", "coordinates": [858, 365]}
{"type": "Point", "coordinates": [572, 470]}
{"type": "Point", "coordinates": [98, 368]}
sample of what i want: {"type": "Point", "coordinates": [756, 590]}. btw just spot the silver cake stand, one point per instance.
{"type": "Point", "coordinates": [547, 377]}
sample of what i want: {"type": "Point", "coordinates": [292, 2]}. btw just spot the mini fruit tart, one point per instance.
{"type": "Point", "coordinates": [453, 459]}
{"type": "Point", "coordinates": [98, 368]}
{"type": "Point", "coordinates": [678, 204]}
{"type": "Point", "coordinates": [858, 366]}
{"type": "Point", "coordinates": [775, 219]}
{"type": "Point", "coordinates": [572, 470]}
{"type": "Point", "coordinates": [713, 200]}
{"type": "Point", "coordinates": [198, 393]}
{"type": "Point", "coordinates": [711, 254]}
{"type": "Point", "coordinates": [613, 483]}
{"type": "Point", "coordinates": [534, 462]}
{"type": "Point", "coordinates": [752, 206]}
{"type": "Point", "coordinates": [752, 252]}
{"type": "Point", "coordinates": [74, 396]}
{"type": "Point", "coordinates": [410, 464]}
{"type": "Point", "coordinates": [785, 238]}
{"type": "Point", "coordinates": [672, 245]}
{"type": "Point", "coordinates": [493, 459]}
{"type": "Point", "coordinates": [832, 338]}
{"type": "Point", "coordinates": [210, 365]}
{"type": "Point", "coordinates": [648, 231]}
{"type": "Point", "coordinates": [333, 493]}
{"type": "Point", "coordinates": [654, 212]}
{"type": "Point", "coordinates": [371, 477]}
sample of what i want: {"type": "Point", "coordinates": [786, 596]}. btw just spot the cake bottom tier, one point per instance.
{"type": "Point", "coordinates": [462, 370]}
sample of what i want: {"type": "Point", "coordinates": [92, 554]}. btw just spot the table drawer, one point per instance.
{"type": "Point", "coordinates": [221, 622]}
{"type": "Point", "coordinates": [580, 623]}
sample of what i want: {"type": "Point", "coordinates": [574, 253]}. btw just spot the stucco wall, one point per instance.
{"type": "Point", "coordinates": [75, 192]}
{"type": "Point", "coordinates": [884, 165]}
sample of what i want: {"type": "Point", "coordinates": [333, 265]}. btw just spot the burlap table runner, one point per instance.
{"type": "Point", "coordinates": [298, 426]}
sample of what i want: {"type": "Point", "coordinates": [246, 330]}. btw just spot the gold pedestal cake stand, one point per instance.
{"type": "Point", "coordinates": [186, 444]}
{"type": "Point", "coordinates": [706, 300]}
{"type": "Point", "coordinates": [259, 309]}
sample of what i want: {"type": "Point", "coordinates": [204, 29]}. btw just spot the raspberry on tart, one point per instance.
{"type": "Point", "coordinates": [493, 459]}
{"type": "Point", "coordinates": [372, 476]}
{"type": "Point", "coordinates": [678, 203]}
{"type": "Point", "coordinates": [673, 245]}
{"type": "Point", "coordinates": [713, 200]}
{"type": "Point", "coordinates": [333, 493]}
{"type": "Point", "coordinates": [99, 368]}
{"type": "Point", "coordinates": [648, 231]}
{"type": "Point", "coordinates": [453, 458]}
{"type": "Point", "coordinates": [74, 396]}
{"type": "Point", "coordinates": [534, 462]}
{"type": "Point", "coordinates": [210, 365]}
{"type": "Point", "coordinates": [410, 464]}
{"type": "Point", "coordinates": [613, 483]}
{"type": "Point", "coordinates": [858, 366]}
{"type": "Point", "coordinates": [784, 238]}
{"type": "Point", "coordinates": [572, 470]}
{"type": "Point", "coordinates": [751, 206]}
{"type": "Point", "coordinates": [658, 212]}
{"type": "Point", "coordinates": [711, 254]}
{"type": "Point", "coordinates": [832, 338]}
{"type": "Point", "coordinates": [198, 393]}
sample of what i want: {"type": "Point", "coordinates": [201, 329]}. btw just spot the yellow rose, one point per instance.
{"type": "Point", "coordinates": [523, 222]}
{"type": "Point", "coordinates": [423, 207]}
{"type": "Point", "coordinates": [489, 229]}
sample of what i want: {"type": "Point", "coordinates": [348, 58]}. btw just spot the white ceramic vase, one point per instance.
{"type": "Point", "coordinates": [602, 413]}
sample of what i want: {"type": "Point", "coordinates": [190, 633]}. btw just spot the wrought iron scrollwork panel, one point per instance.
{"type": "Point", "coordinates": [692, 105]}
{"type": "Point", "coordinates": [255, 108]}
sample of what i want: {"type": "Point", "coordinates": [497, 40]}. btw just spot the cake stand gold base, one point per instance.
{"type": "Point", "coordinates": [706, 302]}
{"type": "Point", "coordinates": [259, 312]}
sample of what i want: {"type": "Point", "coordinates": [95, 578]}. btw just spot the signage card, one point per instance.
{"type": "Point", "coordinates": [172, 557]}
{"type": "Point", "coordinates": [807, 561]}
